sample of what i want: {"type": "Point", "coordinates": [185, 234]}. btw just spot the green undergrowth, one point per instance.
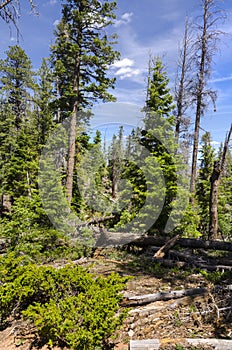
{"type": "Point", "coordinates": [69, 305]}
{"type": "Point", "coordinates": [218, 277]}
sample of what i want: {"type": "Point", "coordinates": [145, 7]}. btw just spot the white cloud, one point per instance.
{"type": "Point", "coordinates": [215, 143]}
{"type": "Point", "coordinates": [127, 72]}
{"type": "Point", "coordinates": [125, 69]}
{"type": "Point", "coordinates": [126, 62]}
{"type": "Point", "coordinates": [53, 2]}
{"type": "Point", "coordinates": [124, 19]}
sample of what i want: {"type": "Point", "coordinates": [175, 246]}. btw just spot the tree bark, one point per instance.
{"type": "Point", "coordinates": [206, 45]}
{"type": "Point", "coordinates": [199, 102]}
{"type": "Point", "coordinates": [155, 344]}
{"type": "Point", "coordinates": [150, 298]}
{"type": "Point", "coordinates": [180, 91]}
{"type": "Point", "coordinates": [71, 153]}
{"type": "Point", "coordinates": [73, 132]}
{"type": "Point", "coordinates": [215, 181]}
{"type": "Point", "coordinates": [181, 264]}
{"type": "Point", "coordinates": [213, 202]}
{"type": "Point", "coordinates": [193, 243]}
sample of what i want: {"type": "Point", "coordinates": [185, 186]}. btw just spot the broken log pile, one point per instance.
{"type": "Point", "coordinates": [161, 251]}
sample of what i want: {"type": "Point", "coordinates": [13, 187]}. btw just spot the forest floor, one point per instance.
{"type": "Point", "coordinates": [170, 321]}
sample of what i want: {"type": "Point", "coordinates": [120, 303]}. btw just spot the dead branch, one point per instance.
{"type": "Point", "coordinates": [166, 247]}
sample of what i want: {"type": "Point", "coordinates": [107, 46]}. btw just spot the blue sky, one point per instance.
{"type": "Point", "coordinates": [144, 27]}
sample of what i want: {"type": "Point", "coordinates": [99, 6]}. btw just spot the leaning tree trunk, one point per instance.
{"type": "Point", "coordinates": [215, 181]}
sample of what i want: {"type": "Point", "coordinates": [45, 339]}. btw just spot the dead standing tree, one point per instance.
{"type": "Point", "coordinates": [205, 47]}
{"type": "Point", "coordinates": [215, 181]}
{"type": "Point", "coordinates": [10, 11]}
{"type": "Point", "coordinates": [183, 82]}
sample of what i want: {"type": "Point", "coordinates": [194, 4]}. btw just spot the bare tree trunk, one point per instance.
{"type": "Point", "coordinates": [205, 47]}
{"type": "Point", "coordinates": [182, 81]}
{"type": "Point", "coordinates": [6, 204]}
{"type": "Point", "coordinates": [73, 133]}
{"type": "Point", "coordinates": [215, 181]}
{"type": "Point", "coordinates": [71, 153]}
{"type": "Point", "coordinates": [199, 102]}
{"type": "Point", "coordinates": [114, 179]}
{"type": "Point", "coordinates": [213, 202]}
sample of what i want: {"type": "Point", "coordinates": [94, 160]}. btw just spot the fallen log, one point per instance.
{"type": "Point", "coordinates": [156, 344]}
{"type": "Point", "coordinates": [158, 307]}
{"type": "Point", "coordinates": [150, 298]}
{"type": "Point", "coordinates": [176, 294]}
{"type": "Point", "coordinates": [173, 263]}
{"type": "Point", "coordinates": [193, 243]}
{"type": "Point", "coordinates": [109, 239]}
{"type": "Point", "coordinates": [198, 261]}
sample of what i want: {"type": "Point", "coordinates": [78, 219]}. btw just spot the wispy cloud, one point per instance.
{"type": "Point", "coordinates": [125, 62]}
{"type": "Point", "coordinates": [52, 2]}
{"type": "Point", "coordinates": [56, 22]}
{"type": "Point", "coordinates": [215, 143]}
{"type": "Point", "coordinates": [124, 19]}
{"type": "Point", "coordinates": [219, 80]}
{"type": "Point", "coordinates": [125, 68]}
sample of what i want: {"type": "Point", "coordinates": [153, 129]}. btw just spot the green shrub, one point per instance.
{"type": "Point", "coordinates": [68, 305]}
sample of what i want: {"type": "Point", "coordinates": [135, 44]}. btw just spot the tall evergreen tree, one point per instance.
{"type": "Point", "coordinates": [17, 82]}
{"type": "Point", "coordinates": [18, 132]}
{"type": "Point", "coordinates": [44, 99]}
{"type": "Point", "coordinates": [151, 166]}
{"type": "Point", "coordinates": [116, 159]}
{"type": "Point", "coordinates": [158, 136]}
{"type": "Point", "coordinates": [81, 56]}
{"type": "Point", "coordinates": [207, 159]}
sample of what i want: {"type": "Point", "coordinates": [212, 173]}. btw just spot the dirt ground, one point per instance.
{"type": "Point", "coordinates": [190, 317]}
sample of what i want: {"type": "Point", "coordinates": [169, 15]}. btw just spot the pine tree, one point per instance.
{"type": "Point", "coordinates": [44, 99]}
{"type": "Point", "coordinates": [160, 100]}
{"type": "Point", "coordinates": [116, 160]}
{"type": "Point", "coordinates": [81, 56]}
{"type": "Point", "coordinates": [155, 201]}
{"type": "Point", "coordinates": [207, 158]}
{"type": "Point", "coordinates": [19, 161]}
{"type": "Point", "coordinates": [159, 138]}
{"type": "Point", "coordinates": [93, 199]}
{"type": "Point", "coordinates": [17, 81]}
